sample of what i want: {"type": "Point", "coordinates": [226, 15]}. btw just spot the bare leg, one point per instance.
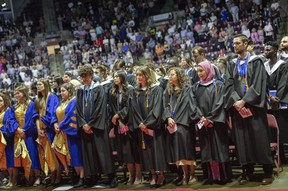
{"type": "Point", "coordinates": [130, 167]}
{"type": "Point", "coordinates": [138, 179]}
{"type": "Point", "coordinates": [160, 179]}
{"type": "Point", "coordinates": [153, 178]}
{"type": "Point", "coordinates": [80, 172]}
{"type": "Point", "coordinates": [192, 178]}
{"type": "Point", "coordinates": [186, 174]}
{"type": "Point", "coordinates": [10, 172]}
{"type": "Point", "coordinates": [37, 177]}
{"type": "Point", "coordinates": [15, 176]}
{"type": "Point", "coordinates": [58, 176]}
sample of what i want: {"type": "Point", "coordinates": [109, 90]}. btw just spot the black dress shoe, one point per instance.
{"type": "Point", "coordinates": [56, 184]}
{"type": "Point", "coordinates": [79, 183]}
{"type": "Point", "coordinates": [113, 183]}
{"type": "Point", "coordinates": [207, 182]}
{"type": "Point", "coordinates": [243, 180]}
{"type": "Point", "coordinates": [267, 181]}
{"type": "Point", "coordinates": [177, 180]}
{"type": "Point", "coordinates": [184, 181]}
{"type": "Point", "coordinates": [87, 183]}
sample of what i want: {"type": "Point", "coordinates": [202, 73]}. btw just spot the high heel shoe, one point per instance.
{"type": "Point", "coordinates": [160, 181]}
{"type": "Point", "coordinates": [138, 181]}
{"type": "Point", "coordinates": [130, 181]}
{"type": "Point", "coordinates": [184, 181]}
{"type": "Point", "coordinates": [80, 183]}
{"type": "Point", "coordinates": [153, 181]}
{"type": "Point", "coordinates": [192, 179]}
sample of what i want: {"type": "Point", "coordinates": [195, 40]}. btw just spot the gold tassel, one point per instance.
{"type": "Point", "coordinates": [143, 142]}
{"type": "Point", "coordinates": [147, 103]}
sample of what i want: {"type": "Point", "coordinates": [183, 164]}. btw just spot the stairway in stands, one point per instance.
{"type": "Point", "coordinates": [56, 65]}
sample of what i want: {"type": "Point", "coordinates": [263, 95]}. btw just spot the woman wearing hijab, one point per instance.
{"type": "Point", "coordinates": [212, 131]}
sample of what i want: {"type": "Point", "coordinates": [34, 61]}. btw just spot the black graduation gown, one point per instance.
{"type": "Point", "coordinates": [96, 150]}
{"type": "Point", "coordinates": [153, 156]}
{"type": "Point", "coordinates": [181, 144]}
{"type": "Point", "coordinates": [278, 80]}
{"type": "Point", "coordinates": [251, 134]}
{"type": "Point", "coordinates": [126, 143]}
{"type": "Point", "coordinates": [214, 142]}
{"type": "Point", "coordinates": [131, 80]}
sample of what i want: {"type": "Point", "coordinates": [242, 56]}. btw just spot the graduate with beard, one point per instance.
{"type": "Point", "coordinates": [244, 98]}
{"type": "Point", "coordinates": [212, 130]}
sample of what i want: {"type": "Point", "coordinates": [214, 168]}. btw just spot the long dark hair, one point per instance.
{"type": "Point", "coordinates": [25, 91]}
{"type": "Point", "coordinates": [183, 81]}
{"type": "Point", "coordinates": [150, 77]}
{"type": "Point", "coordinates": [71, 90]}
{"type": "Point", "coordinates": [6, 100]}
{"type": "Point", "coordinates": [124, 82]}
{"type": "Point", "coordinates": [40, 97]}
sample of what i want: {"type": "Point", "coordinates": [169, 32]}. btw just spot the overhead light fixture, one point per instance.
{"type": "Point", "coordinates": [3, 5]}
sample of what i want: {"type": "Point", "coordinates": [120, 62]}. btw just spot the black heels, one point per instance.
{"type": "Point", "coordinates": [184, 181]}
{"type": "Point", "coordinates": [160, 181]}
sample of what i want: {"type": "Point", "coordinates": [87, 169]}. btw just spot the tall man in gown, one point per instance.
{"type": "Point", "coordinates": [277, 73]}
{"type": "Point", "coordinates": [245, 92]}
{"type": "Point", "coordinates": [91, 113]}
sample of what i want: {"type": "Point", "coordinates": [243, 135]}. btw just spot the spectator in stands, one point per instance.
{"type": "Point", "coordinates": [254, 36]}
{"type": "Point", "coordinates": [269, 31]}
{"type": "Point", "coordinates": [224, 14]}
{"type": "Point", "coordinates": [246, 31]}
{"type": "Point", "coordinates": [234, 10]}
{"type": "Point", "coordinates": [229, 30]}
{"type": "Point", "coordinates": [260, 33]}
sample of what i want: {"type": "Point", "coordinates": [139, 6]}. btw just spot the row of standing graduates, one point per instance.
{"type": "Point", "coordinates": [148, 109]}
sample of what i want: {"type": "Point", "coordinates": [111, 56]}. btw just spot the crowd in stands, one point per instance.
{"type": "Point", "coordinates": [113, 31]}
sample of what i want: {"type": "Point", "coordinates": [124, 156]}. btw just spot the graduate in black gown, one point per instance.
{"type": "Point", "coordinates": [212, 130]}
{"type": "Point", "coordinates": [145, 115]}
{"type": "Point", "coordinates": [284, 48]}
{"type": "Point", "coordinates": [178, 111]}
{"type": "Point", "coordinates": [245, 90]}
{"type": "Point", "coordinates": [91, 113]}
{"type": "Point", "coordinates": [198, 54]}
{"type": "Point", "coordinates": [119, 64]}
{"type": "Point", "coordinates": [277, 73]}
{"type": "Point", "coordinates": [126, 136]}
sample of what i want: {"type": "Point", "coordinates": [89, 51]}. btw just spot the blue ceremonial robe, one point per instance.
{"type": "Point", "coordinates": [9, 127]}
{"type": "Point", "coordinates": [31, 135]}
{"type": "Point", "coordinates": [50, 116]}
{"type": "Point", "coordinates": [69, 126]}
